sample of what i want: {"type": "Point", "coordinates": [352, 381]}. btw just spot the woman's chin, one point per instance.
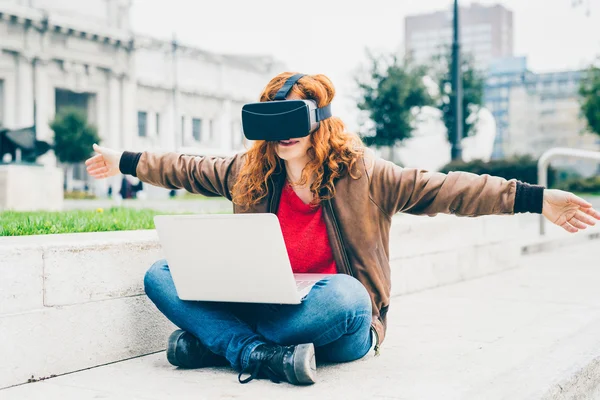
{"type": "Point", "coordinates": [286, 155]}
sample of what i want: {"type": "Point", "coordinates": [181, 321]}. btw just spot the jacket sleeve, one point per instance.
{"type": "Point", "coordinates": [465, 194]}
{"type": "Point", "coordinates": [209, 176]}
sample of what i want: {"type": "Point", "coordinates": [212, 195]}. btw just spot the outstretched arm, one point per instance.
{"type": "Point", "coordinates": [429, 193]}
{"type": "Point", "coordinates": [208, 176]}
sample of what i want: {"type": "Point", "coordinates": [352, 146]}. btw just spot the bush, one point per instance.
{"type": "Point", "coordinates": [581, 185]}
{"type": "Point", "coordinates": [522, 168]}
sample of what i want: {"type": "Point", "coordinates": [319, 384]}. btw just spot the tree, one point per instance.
{"type": "Point", "coordinates": [589, 91]}
{"type": "Point", "coordinates": [472, 93]}
{"type": "Point", "coordinates": [389, 92]}
{"type": "Point", "coordinates": [73, 138]}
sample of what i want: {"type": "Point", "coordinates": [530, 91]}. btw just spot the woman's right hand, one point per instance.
{"type": "Point", "coordinates": [104, 164]}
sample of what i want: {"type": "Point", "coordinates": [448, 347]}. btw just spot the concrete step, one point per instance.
{"type": "Point", "coordinates": [527, 333]}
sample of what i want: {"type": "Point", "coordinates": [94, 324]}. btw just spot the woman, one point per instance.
{"type": "Point", "coordinates": [334, 201]}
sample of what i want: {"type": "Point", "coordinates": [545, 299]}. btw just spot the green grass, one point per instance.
{"type": "Point", "coordinates": [46, 223]}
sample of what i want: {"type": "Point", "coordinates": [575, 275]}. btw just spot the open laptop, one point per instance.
{"type": "Point", "coordinates": [231, 258]}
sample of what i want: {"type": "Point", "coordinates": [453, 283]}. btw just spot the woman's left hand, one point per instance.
{"type": "Point", "coordinates": [568, 211]}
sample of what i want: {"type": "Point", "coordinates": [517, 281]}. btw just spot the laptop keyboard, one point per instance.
{"type": "Point", "coordinates": [301, 285]}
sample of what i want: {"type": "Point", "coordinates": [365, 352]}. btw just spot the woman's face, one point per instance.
{"type": "Point", "coordinates": [294, 148]}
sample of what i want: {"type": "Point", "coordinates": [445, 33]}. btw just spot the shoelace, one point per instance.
{"type": "Point", "coordinates": [258, 368]}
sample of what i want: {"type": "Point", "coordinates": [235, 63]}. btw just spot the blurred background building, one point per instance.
{"type": "Point", "coordinates": [486, 33]}
{"type": "Point", "coordinates": [536, 111]}
{"type": "Point", "coordinates": [140, 92]}
{"type": "Point", "coordinates": [143, 92]}
{"type": "Point", "coordinates": [533, 111]}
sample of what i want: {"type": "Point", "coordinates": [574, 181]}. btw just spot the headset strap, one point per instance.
{"type": "Point", "coordinates": [323, 113]}
{"type": "Point", "coordinates": [320, 113]}
{"type": "Point", "coordinates": [287, 86]}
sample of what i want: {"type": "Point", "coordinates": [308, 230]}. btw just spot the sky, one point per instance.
{"type": "Point", "coordinates": [330, 36]}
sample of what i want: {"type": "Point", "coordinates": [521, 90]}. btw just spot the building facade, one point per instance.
{"type": "Point", "coordinates": [503, 75]}
{"type": "Point", "coordinates": [486, 34]}
{"type": "Point", "coordinates": [141, 93]}
{"type": "Point", "coordinates": [536, 111]}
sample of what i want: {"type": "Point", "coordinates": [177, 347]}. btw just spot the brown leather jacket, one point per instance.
{"type": "Point", "coordinates": [358, 218]}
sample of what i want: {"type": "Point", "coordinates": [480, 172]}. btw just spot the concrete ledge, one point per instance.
{"type": "Point", "coordinates": [56, 340]}
{"type": "Point", "coordinates": [583, 383]}
{"type": "Point", "coordinates": [22, 271]}
{"type": "Point", "coordinates": [541, 244]}
{"type": "Point", "coordinates": [57, 270]}
{"type": "Point", "coordinates": [426, 271]}
{"type": "Point", "coordinates": [69, 302]}
{"type": "Point", "coordinates": [84, 292]}
{"type": "Point", "coordinates": [528, 333]}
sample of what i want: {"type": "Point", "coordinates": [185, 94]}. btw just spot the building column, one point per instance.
{"type": "Point", "coordinates": [24, 98]}
{"type": "Point", "coordinates": [167, 126]}
{"type": "Point", "coordinates": [10, 95]}
{"type": "Point", "coordinates": [42, 101]}
{"type": "Point", "coordinates": [44, 109]}
{"type": "Point", "coordinates": [128, 113]}
{"type": "Point", "coordinates": [223, 136]}
{"type": "Point", "coordinates": [113, 107]}
{"type": "Point", "coordinates": [112, 137]}
{"type": "Point", "coordinates": [178, 128]}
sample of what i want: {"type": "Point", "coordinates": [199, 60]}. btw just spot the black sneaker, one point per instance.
{"type": "Point", "coordinates": [186, 351]}
{"type": "Point", "coordinates": [294, 364]}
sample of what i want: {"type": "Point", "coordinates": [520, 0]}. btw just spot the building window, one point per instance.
{"type": "Point", "coordinates": [157, 124]}
{"type": "Point", "coordinates": [183, 126]}
{"type": "Point", "coordinates": [197, 128]}
{"type": "Point", "coordinates": [142, 123]}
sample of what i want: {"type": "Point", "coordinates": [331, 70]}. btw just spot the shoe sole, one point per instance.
{"type": "Point", "coordinates": [305, 366]}
{"type": "Point", "coordinates": [172, 347]}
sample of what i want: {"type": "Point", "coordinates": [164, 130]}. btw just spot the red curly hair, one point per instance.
{"type": "Point", "coordinates": [333, 152]}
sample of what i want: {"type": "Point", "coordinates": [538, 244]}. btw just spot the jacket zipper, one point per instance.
{"type": "Point", "coordinates": [341, 240]}
{"type": "Point", "coordinates": [272, 200]}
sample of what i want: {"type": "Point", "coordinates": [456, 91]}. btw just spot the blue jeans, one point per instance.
{"type": "Point", "coordinates": [335, 316]}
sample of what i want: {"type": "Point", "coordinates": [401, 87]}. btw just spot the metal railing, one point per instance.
{"type": "Point", "coordinates": [546, 159]}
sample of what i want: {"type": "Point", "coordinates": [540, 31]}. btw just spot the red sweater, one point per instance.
{"type": "Point", "coordinates": [305, 235]}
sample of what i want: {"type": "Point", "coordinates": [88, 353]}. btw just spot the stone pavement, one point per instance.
{"type": "Point", "coordinates": [528, 333]}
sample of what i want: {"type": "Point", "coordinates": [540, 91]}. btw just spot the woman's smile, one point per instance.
{"type": "Point", "coordinates": [288, 143]}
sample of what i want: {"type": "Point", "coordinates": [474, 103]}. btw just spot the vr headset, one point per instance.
{"type": "Point", "coordinates": [282, 119]}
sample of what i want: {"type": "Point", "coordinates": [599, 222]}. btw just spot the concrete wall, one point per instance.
{"type": "Point", "coordinates": [431, 252]}
{"type": "Point", "coordinates": [69, 302]}
{"type": "Point", "coordinates": [29, 188]}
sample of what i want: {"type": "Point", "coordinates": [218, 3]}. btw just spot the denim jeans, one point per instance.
{"type": "Point", "coordinates": [335, 316]}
